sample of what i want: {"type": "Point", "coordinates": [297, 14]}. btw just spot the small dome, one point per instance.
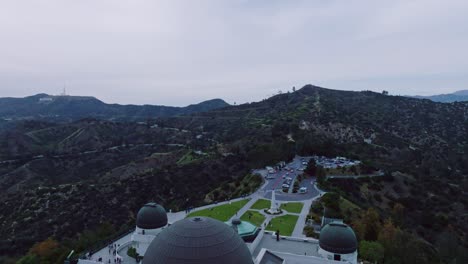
{"type": "Point", "coordinates": [151, 216]}
{"type": "Point", "coordinates": [338, 238]}
{"type": "Point", "coordinates": [198, 240]}
{"type": "Point", "coordinates": [236, 221]}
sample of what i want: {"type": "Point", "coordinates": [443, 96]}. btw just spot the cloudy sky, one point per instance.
{"type": "Point", "coordinates": [180, 52]}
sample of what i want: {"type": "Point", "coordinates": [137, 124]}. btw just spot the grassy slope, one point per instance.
{"type": "Point", "coordinates": [223, 212]}
{"type": "Point", "coordinates": [285, 224]}
{"type": "Point", "coordinates": [261, 204]}
{"type": "Point", "coordinates": [292, 207]}
{"type": "Point", "coordinates": [256, 218]}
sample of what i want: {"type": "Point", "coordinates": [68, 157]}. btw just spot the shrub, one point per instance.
{"type": "Point", "coordinates": [310, 232]}
{"type": "Point", "coordinates": [131, 252]}
{"type": "Point", "coordinates": [371, 251]}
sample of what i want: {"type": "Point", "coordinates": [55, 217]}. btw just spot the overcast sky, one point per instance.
{"type": "Point", "coordinates": [181, 52]}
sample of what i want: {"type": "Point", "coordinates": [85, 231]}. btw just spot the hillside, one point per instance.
{"type": "Point", "coordinates": [459, 96]}
{"type": "Point", "coordinates": [70, 108]}
{"type": "Point", "coordinates": [123, 164]}
{"type": "Point", "coordinates": [424, 140]}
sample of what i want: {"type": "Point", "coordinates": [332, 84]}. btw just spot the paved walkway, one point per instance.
{"type": "Point", "coordinates": [245, 208]}
{"type": "Point", "coordinates": [106, 256]}
{"type": "Point", "coordinates": [300, 224]}
{"type": "Point", "coordinates": [299, 228]}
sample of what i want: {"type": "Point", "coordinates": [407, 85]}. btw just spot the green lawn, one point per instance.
{"type": "Point", "coordinates": [222, 212]}
{"type": "Point", "coordinates": [292, 207]}
{"type": "Point", "coordinates": [261, 204]}
{"type": "Point", "coordinates": [285, 224]}
{"type": "Point", "coordinates": [256, 218]}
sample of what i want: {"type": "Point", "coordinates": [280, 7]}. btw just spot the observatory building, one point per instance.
{"type": "Point", "coordinates": [204, 240]}
{"type": "Point", "coordinates": [150, 221]}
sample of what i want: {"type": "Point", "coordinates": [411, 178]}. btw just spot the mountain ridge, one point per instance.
{"type": "Point", "coordinates": [71, 108]}
{"type": "Point", "coordinates": [458, 96]}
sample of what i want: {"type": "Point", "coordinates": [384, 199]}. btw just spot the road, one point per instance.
{"type": "Point", "coordinates": [378, 174]}
{"type": "Point", "coordinates": [88, 152]}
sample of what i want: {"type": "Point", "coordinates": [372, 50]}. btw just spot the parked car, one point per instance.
{"type": "Point", "coordinates": [303, 190]}
{"type": "Point", "coordinates": [285, 185]}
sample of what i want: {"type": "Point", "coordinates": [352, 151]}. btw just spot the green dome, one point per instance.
{"type": "Point", "coordinates": [151, 216]}
{"type": "Point", "coordinates": [338, 238]}
{"type": "Point", "coordinates": [246, 230]}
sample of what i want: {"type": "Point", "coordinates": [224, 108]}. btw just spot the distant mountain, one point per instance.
{"type": "Point", "coordinates": [70, 108]}
{"type": "Point", "coordinates": [459, 96]}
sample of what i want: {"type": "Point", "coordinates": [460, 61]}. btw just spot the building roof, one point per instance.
{"type": "Point", "coordinates": [246, 230]}
{"type": "Point", "coordinates": [151, 216]}
{"type": "Point", "coordinates": [270, 258]}
{"type": "Point", "coordinates": [198, 240]}
{"type": "Point", "coordinates": [338, 238]}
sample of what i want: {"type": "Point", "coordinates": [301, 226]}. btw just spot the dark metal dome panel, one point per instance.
{"type": "Point", "coordinates": [151, 216]}
{"type": "Point", "coordinates": [338, 238]}
{"type": "Point", "coordinates": [198, 240]}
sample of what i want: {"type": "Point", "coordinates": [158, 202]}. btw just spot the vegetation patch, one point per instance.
{"type": "Point", "coordinates": [261, 204]}
{"type": "Point", "coordinates": [131, 252]}
{"type": "Point", "coordinates": [242, 186]}
{"type": "Point", "coordinates": [292, 207]}
{"type": "Point", "coordinates": [285, 224]}
{"type": "Point", "coordinates": [188, 158]}
{"type": "Point", "coordinates": [222, 212]}
{"type": "Point", "coordinates": [253, 217]}
{"type": "Point", "coordinates": [309, 231]}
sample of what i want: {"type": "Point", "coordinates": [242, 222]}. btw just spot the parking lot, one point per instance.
{"type": "Point", "coordinates": [293, 169]}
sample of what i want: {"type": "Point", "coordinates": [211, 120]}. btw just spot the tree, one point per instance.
{"type": "Point", "coordinates": [311, 168]}
{"type": "Point", "coordinates": [294, 88]}
{"type": "Point", "coordinates": [402, 247]}
{"type": "Point", "coordinates": [371, 251]}
{"type": "Point", "coordinates": [398, 214]}
{"type": "Point", "coordinates": [321, 175]}
{"type": "Point", "coordinates": [331, 200]}
{"type": "Point", "coordinates": [28, 259]}
{"type": "Point", "coordinates": [388, 236]}
{"type": "Point", "coordinates": [384, 92]}
{"type": "Point", "coordinates": [371, 222]}
{"type": "Point", "coordinates": [447, 245]}
{"type": "Point", "coordinates": [45, 249]}
{"type": "Point", "coordinates": [131, 252]}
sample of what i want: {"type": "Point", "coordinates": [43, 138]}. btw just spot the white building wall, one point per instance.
{"type": "Point", "coordinates": [141, 242]}
{"type": "Point", "coordinates": [348, 258]}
